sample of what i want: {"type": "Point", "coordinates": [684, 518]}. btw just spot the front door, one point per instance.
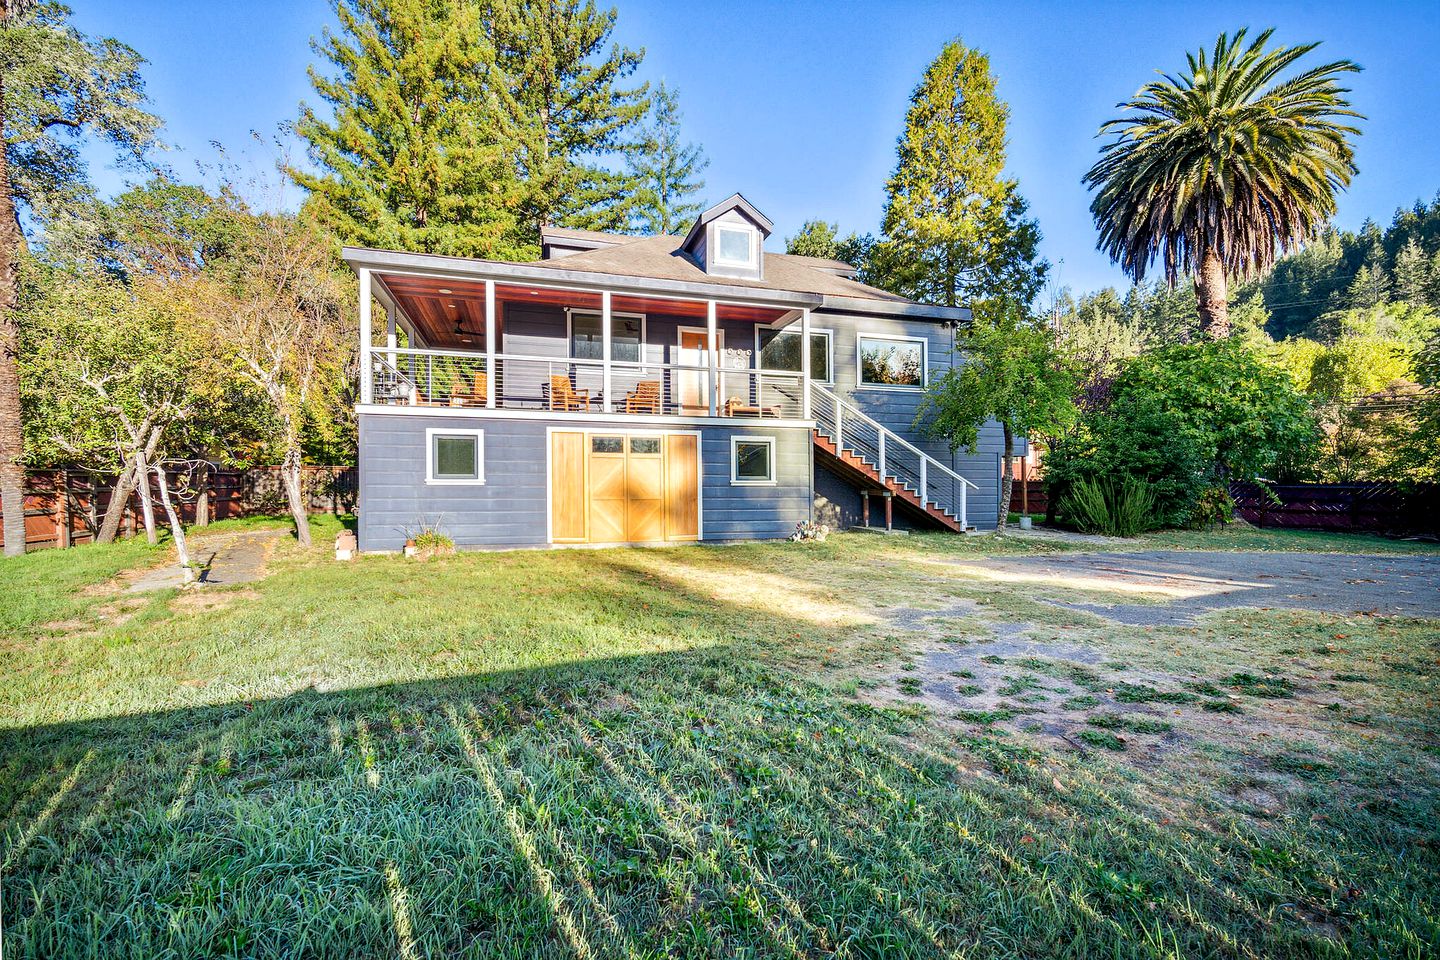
{"type": "Point", "coordinates": [691, 385]}
{"type": "Point", "coordinates": [624, 488]}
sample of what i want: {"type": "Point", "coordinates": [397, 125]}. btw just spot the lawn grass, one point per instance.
{"type": "Point", "coordinates": [641, 753]}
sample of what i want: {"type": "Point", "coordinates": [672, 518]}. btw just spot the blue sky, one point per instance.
{"type": "Point", "coordinates": [798, 104]}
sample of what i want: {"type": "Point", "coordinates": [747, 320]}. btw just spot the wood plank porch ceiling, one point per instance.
{"type": "Point", "coordinates": [451, 313]}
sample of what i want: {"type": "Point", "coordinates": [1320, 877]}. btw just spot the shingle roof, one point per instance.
{"type": "Point", "coordinates": [660, 257]}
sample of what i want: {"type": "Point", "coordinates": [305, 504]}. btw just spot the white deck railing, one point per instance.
{"type": "Point", "coordinates": [892, 456]}
{"type": "Point", "coordinates": [458, 378]}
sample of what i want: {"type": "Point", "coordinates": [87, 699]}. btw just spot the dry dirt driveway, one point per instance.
{"type": "Point", "coordinates": [1188, 583]}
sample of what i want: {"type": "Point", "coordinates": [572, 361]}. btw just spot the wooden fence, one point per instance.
{"type": "Point", "coordinates": [65, 507]}
{"type": "Point", "coordinates": [1409, 509]}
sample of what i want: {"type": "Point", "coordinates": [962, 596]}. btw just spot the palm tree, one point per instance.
{"type": "Point", "coordinates": [1221, 169]}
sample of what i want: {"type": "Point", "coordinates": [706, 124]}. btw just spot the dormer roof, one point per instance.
{"type": "Point", "coordinates": [734, 202]}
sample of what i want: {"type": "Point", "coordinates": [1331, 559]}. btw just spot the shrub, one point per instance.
{"type": "Point", "coordinates": [1185, 420]}
{"type": "Point", "coordinates": [428, 540]}
{"type": "Point", "coordinates": [1116, 508]}
{"type": "Point", "coordinates": [1213, 507]}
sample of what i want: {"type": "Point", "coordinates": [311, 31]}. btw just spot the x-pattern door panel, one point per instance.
{"type": "Point", "coordinates": [619, 488]}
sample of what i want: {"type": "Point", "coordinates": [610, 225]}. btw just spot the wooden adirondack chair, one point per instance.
{"type": "Point", "coordinates": [563, 396]}
{"type": "Point", "coordinates": [476, 396]}
{"type": "Point", "coordinates": [645, 398]}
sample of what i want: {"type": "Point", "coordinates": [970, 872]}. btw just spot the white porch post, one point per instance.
{"type": "Point", "coordinates": [605, 346]}
{"type": "Point", "coordinates": [805, 363]}
{"type": "Point", "coordinates": [490, 371]}
{"type": "Point", "coordinates": [712, 382]}
{"type": "Point", "coordinates": [367, 375]}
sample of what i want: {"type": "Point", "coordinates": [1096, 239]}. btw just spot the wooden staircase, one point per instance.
{"type": "Point", "coordinates": [863, 451]}
{"type": "Point", "coordinates": [863, 474]}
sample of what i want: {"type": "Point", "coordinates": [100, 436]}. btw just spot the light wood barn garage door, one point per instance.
{"type": "Point", "coordinates": [624, 488]}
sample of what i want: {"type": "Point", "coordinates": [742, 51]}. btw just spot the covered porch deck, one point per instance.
{"type": "Point", "coordinates": [561, 347]}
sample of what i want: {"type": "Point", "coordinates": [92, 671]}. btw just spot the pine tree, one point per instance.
{"type": "Point", "coordinates": [571, 97]}
{"type": "Point", "coordinates": [1412, 274]}
{"type": "Point", "coordinates": [1368, 289]}
{"type": "Point", "coordinates": [421, 153]}
{"type": "Point", "coordinates": [665, 172]}
{"type": "Point", "coordinates": [955, 230]}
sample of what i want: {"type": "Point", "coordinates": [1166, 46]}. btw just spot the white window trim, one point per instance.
{"type": "Point", "coordinates": [735, 478]}
{"type": "Point", "coordinates": [751, 237]}
{"type": "Point", "coordinates": [794, 328]}
{"type": "Point", "coordinates": [860, 383]}
{"type": "Point", "coordinates": [430, 479]}
{"type": "Point", "coordinates": [570, 331]}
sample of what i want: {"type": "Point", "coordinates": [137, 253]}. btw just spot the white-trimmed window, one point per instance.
{"type": "Point", "coordinates": [734, 246]}
{"type": "Point", "coordinates": [454, 456]}
{"type": "Point", "coordinates": [779, 349]}
{"type": "Point", "coordinates": [587, 337]}
{"type": "Point", "coordinates": [893, 362]}
{"type": "Point", "coordinates": [752, 460]}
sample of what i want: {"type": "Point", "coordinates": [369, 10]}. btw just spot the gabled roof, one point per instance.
{"type": "Point", "coordinates": [733, 202]}
{"type": "Point", "coordinates": [663, 258]}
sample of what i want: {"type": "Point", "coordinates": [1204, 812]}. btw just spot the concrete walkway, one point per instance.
{"type": "Point", "coordinates": [231, 557]}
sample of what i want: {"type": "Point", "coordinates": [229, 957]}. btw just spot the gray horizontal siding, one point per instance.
{"type": "Point", "coordinates": [743, 512]}
{"type": "Point", "coordinates": [897, 409]}
{"type": "Point", "coordinates": [509, 509]}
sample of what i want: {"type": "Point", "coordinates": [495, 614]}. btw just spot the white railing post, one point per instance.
{"type": "Point", "coordinates": [839, 422]}
{"type": "Point", "coordinates": [924, 477]}
{"type": "Point", "coordinates": [367, 373]}
{"type": "Point", "coordinates": [881, 434]}
{"type": "Point", "coordinates": [963, 522]}
{"type": "Point", "coordinates": [805, 363]}
{"type": "Point", "coordinates": [712, 382]}
{"type": "Point", "coordinates": [607, 403]}
{"type": "Point", "coordinates": [490, 343]}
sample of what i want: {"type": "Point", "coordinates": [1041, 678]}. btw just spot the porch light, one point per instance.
{"type": "Point", "coordinates": [444, 290]}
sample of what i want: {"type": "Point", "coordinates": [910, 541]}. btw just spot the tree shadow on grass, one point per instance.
{"type": "Point", "coordinates": [698, 801]}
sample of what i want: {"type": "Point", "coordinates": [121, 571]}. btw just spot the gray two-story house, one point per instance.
{"type": "Point", "coordinates": [650, 390]}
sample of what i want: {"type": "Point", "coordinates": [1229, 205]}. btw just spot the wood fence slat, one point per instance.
{"type": "Point", "coordinates": [64, 507]}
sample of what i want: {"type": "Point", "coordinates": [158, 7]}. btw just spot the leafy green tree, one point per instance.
{"type": "Point", "coordinates": [577, 110]}
{"type": "Point", "coordinates": [955, 230]}
{"type": "Point", "coordinates": [1217, 170]}
{"type": "Point", "coordinates": [424, 144]}
{"type": "Point", "coordinates": [1420, 449]}
{"type": "Point", "coordinates": [815, 238]}
{"type": "Point", "coordinates": [1188, 419]}
{"type": "Point", "coordinates": [819, 239]}
{"type": "Point", "coordinates": [1011, 371]}
{"type": "Point", "coordinates": [665, 171]}
{"type": "Point", "coordinates": [1097, 334]}
{"type": "Point", "coordinates": [57, 88]}
{"type": "Point", "coordinates": [120, 374]}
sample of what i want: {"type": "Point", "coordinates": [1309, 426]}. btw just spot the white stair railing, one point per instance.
{"type": "Point", "coordinates": [892, 456]}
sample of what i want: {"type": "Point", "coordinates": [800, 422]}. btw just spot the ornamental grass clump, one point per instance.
{"type": "Point", "coordinates": [1123, 507]}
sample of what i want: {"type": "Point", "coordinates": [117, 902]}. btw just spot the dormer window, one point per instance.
{"type": "Point", "coordinates": [735, 246]}
{"type": "Point", "coordinates": [727, 240]}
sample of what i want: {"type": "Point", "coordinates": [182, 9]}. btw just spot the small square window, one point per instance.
{"type": "Point", "coordinates": [607, 444]}
{"type": "Point", "coordinates": [734, 246]}
{"type": "Point", "coordinates": [455, 456]}
{"type": "Point", "coordinates": [644, 444]}
{"type": "Point", "coordinates": [752, 459]}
